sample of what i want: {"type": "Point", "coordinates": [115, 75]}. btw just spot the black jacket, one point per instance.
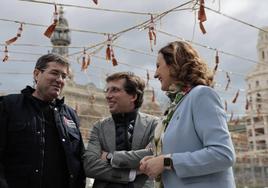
{"type": "Point", "coordinates": [22, 141]}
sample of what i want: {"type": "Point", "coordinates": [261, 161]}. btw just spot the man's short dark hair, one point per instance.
{"type": "Point", "coordinates": [134, 85]}
{"type": "Point", "coordinates": [42, 62]}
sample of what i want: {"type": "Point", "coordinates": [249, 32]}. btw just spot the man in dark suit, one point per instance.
{"type": "Point", "coordinates": [118, 143]}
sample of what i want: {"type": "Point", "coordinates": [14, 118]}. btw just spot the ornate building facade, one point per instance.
{"type": "Point", "coordinates": [257, 94]}
{"type": "Point", "coordinates": [257, 116]}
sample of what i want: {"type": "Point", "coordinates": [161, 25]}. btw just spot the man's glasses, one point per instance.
{"type": "Point", "coordinates": [57, 74]}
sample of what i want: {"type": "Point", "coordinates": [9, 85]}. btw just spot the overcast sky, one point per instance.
{"type": "Point", "coordinates": [222, 33]}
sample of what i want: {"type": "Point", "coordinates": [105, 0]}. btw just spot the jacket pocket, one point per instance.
{"type": "Point", "coordinates": [74, 133]}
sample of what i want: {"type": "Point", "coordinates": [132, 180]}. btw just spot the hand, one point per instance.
{"type": "Point", "coordinates": [150, 147]}
{"type": "Point", "coordinates": [104, 155]}
{"type": "Point", "coordinates": [152, 166]}
{"type": "Point", "coordinates": [143, 163]}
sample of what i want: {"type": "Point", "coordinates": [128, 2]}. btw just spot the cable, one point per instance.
{"type": "Point", "coordinates": [59, 27]}
{"type": "Point", "coordinates": [208, 47]}
{"type": "Point", "coordinates": [90, 8]}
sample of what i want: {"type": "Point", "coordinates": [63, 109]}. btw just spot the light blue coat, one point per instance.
{"type": "Point", "coordinates": [199, 141]}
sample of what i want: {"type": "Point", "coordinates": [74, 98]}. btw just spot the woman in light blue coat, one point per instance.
{"type": "Point", "coordinates": [193, 144]}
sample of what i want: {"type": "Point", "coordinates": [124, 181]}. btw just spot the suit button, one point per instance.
{"type": "Point", "coordinates": [36, 170]}
{"type": "Point", "coordinates": [38, 132]}
{"type": "Point", "coordinates": [63, 140]}
{"type": "Point", "coordinates": [71, 176]}
{"type": "Point", "coordinates": [55, 109]}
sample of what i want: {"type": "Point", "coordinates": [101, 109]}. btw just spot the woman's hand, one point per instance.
{"type": "Point", "coordinates": [143, 163]}
{"type": "Point", "coordinates": [152, 166]}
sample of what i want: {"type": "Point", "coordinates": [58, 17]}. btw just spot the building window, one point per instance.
{"type": "Point", "coordinates": [248, 122]}
{"type": "Point", "coordinates": [259, 107]}
{"type": "Point", "coordinates": [259, 131]}
{"type": "Point", "coordinates": [249, 132]}
{"type": "Point", "coordinates": [261, 144]}
{"type": "Point", "coordinates": [251, 145]}
{"type": "Point", "coordinates": [258, 119]}
{"type": "Point", "coordinates": [258, 98]}
{"type": "Point", "coordinates": [263, 55]}
{"type": "Point", "coordinates": [257, 83]}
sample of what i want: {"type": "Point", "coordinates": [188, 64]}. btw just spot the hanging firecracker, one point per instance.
{"type": "Point", "coordinates": [52, 27]}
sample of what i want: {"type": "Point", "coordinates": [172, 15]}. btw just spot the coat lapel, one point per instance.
{"type": "Point", "coordinates": [139, 131]}
{"type": "Point", "coordinates": [109, 134]}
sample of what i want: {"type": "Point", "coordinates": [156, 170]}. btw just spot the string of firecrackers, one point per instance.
{"type": "Point", "coordinates": [147, 22]}
{"type": "Point", "coordinates": [147, 78]}
{"type": "Point", "coordinates": [128, 49]}
{"type": "Point", "coordinates": [152, 55]}
{"type": "Point", "coordinates": [14, 39]}
{"type": "Point", "coordinates": [247, 104]}
{"type": "Point", "coordinates": [147, 70]}
{"type": "Point", "coordinates": [85, 61]}
{"type": "Point", "coordinates": [152, 34]}
{"type": "Point", "coordinates": [95, 1]}
{"type": "Point", "coordinates": [146, 13]}
{"type": "Point", "coordinates": [221, 88]}
{"type": "Point", "coordinates": [216, 62]}
{"type": "Point", "coordinates": [110, 52]}
{"type": "Point", "coordinates": [236, 96]}
{"type": "Point", "coordinates": [228, 81]}
{"type": "Point", "coordinates": [58, 26]}
{"type": "Point", "coordinates": [52, 27]}
{"type": "Point", "coordinates": [88, 63]}
{"type": "Point", "coordinates": [202, 16]}
{"type": "Point", "coordinates": [207, 47]}
{"type": "Point", "coordinates": [6, 55]}
{"type": "Point", "coordinates": [10, 41]}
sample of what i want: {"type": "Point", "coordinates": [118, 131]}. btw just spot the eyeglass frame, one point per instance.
{"type": "Point", "coordinates": [56, 74]}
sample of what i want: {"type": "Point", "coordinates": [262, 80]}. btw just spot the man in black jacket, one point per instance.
{"type": "Point", "coordinates": [40, 142]}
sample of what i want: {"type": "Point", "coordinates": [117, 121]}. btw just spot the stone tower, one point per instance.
{"type": "Point", "coordinates": [61, 36]}
{"type": "Point", "coordinates": [257, 95]}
